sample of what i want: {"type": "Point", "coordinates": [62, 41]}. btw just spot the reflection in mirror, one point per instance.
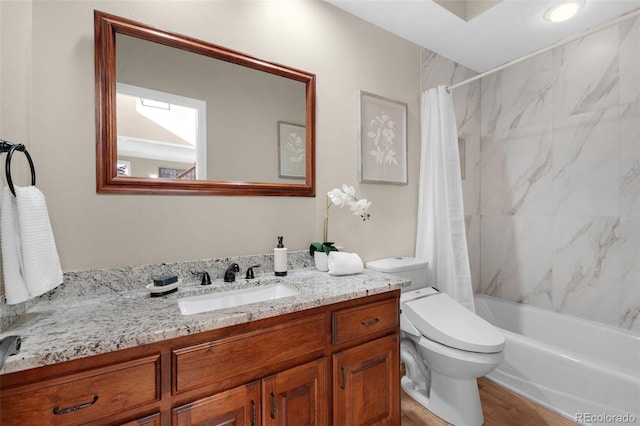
{"type": "Point", "coordinates": [197, 118]}
{"type": "Point", "coordinates": [160, 135]}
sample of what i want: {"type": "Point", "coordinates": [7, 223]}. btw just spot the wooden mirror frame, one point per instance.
{"type": "Point", "coordinates": [106, 27]}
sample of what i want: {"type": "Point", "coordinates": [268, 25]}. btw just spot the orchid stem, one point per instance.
{"type": "Point", "coordinates": [326, 220]}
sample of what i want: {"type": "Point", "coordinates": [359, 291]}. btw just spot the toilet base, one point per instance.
{"type": "Point", "coordinates": [454, 400]}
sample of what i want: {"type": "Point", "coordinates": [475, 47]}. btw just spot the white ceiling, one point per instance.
{"type": "Point", "coordinates": [508, 30]}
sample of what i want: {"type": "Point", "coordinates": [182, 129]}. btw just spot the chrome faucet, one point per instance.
{"type": "Point", "coordinates": [10, 345]}
{"type": "Point", "coordinates": [230, 275]}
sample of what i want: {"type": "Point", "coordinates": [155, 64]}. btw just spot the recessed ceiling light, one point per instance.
{"type": "Point", "coordinates": [564, 10]}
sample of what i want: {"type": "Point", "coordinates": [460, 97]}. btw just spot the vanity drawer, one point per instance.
{"type": "Point", "coordinates": [361, 321]}
{"type": "Point", "coordinates": [228, 359]}
{"type": "Point", "coordinates": [84, 397]}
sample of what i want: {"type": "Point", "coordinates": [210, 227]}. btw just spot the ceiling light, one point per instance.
{"type": "Point", "coordinates": [564, 10]}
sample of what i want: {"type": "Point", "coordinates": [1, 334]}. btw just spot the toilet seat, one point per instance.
{"type": "Point", "coordinates": [441, 319]}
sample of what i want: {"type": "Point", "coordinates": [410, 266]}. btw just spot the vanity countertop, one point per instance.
{"type": "Point", "coordinates": [65, 329]}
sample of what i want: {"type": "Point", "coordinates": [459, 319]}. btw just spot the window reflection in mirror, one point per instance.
{"type": "Point", "coordinates": [161, 135]}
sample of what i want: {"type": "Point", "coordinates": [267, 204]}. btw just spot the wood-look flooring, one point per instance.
{"type": "Point", "coordinates": [500, 407]}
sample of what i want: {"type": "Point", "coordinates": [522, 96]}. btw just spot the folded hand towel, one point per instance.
{"type": "Point", "coordinates": [15, 288]}
{"type": "Point", "coordinates": [342, 263]}
{"type": "Point", "coordinates": [29, 254]}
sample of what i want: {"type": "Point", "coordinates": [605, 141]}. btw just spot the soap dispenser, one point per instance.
{"type": "Point", "coordinates": [280, 259]}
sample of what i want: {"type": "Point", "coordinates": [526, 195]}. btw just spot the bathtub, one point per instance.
{"type": "Point", "coordinates": [583, 370]}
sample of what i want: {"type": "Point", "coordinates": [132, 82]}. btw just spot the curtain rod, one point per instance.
{"type": "Point", "coordinates": [544, 49]}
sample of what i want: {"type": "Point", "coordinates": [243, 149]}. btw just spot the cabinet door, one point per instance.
{"type": "Point", "coordinates": [152, 420]}
{"type": "Point", "coordinates": [297, 396]}
{"type": "Point", "coordinates": [366, 384]}
{"type": "Point", "coordinates": [236, 407]}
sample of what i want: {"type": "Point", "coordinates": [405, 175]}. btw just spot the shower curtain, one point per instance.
{"type": "Point", "coordinates": [441, 237]}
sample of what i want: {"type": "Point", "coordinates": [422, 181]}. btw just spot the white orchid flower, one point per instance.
{"type": "Point", "coordinates": [345, 195]}
{"type": "Point", "coordinates": [336, 196]}
{"type": "Point", "coordinates": [349, 191]}
{"type": "Point", "coordinates": [360, 208]}
{"type": "Point", "coordinates": [340, 197]}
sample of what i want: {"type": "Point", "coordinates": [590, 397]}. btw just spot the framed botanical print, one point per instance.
{"type": "Point", "coordinates": [383, 140]}
{"type": "Point", "coordinates": [292, 142]}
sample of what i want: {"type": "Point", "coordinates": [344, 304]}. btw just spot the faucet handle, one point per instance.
{"type": "Point", "coordinates": [250, 274]}
{"type": "Point", "coordinates": [206, 278]}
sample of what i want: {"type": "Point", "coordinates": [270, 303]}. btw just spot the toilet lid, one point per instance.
{"type": "Point", "coordinates": [442, 319]}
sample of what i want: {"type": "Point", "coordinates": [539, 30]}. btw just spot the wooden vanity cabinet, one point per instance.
{"type": "Point", "coordinates": [366, 376]}
{"type": "Point", "coordinates": [239, 406]}
{"type": "Point", "coordinates": [331, 365]}
{"type": "Point", "coordinates": [297, 396]}
{"type": "Point", "coordinates": [152, 420]}
{"type": "Point", "coordinates": [365, 381]}
{"type": "Point", "coordinates": [236, 358]}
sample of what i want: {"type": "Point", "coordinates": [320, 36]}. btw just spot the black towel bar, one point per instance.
{"type": "Point", "coordinates": [6, 146]}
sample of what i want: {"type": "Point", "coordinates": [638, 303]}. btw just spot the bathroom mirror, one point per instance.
{"type": "Point", "coordinates": [177, 115]}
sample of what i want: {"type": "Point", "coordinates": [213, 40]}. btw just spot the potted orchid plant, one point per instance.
{"type": "Point", "coordinates": [343, 196]}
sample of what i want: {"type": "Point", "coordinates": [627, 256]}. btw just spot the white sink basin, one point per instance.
{"type": "Point", "coordinates": [227, 299]}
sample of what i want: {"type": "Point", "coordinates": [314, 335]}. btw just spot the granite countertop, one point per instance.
{"type": "Point", "coordinates": [65, 329]}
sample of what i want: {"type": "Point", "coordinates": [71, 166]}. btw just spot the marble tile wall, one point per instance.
{"type": "Point", "coordinates": [552, 189]}
{"type": "Point", "coordinates": [559, 167]}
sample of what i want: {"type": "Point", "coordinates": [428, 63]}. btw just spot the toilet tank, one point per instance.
{"type": "Point", "coordinates": [412, 268]}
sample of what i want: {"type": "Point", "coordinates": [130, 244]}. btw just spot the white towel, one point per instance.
{"type": "Point", "coordinates": [29, 256]}
{"type": "Point", "coordinates": [343, 263]}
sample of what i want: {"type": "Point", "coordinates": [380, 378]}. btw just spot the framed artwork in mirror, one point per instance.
{"type": "Point", "coordinates": [383, 140]}
{"type": "Point", "coordinates": [291, 150]}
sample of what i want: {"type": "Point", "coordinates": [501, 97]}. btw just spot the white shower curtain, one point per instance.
{"type": "Point", "coordinates": [441, 237]}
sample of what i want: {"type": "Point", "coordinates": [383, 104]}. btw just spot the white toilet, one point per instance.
{"type": "Point", "coordinates": [445, 346]}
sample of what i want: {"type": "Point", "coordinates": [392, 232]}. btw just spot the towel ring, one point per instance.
{"type": "Point", "coordinates": [19, 147]}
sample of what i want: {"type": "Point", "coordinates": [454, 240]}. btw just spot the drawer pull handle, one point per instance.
{"type": "Point", "coordinates": [57, 410]}
{"type": "Point", "coordinates": [253, 413]}
{"type": "Point", "coordinates": [343, 385]}
{"type": "Point", "coordinates": [273, 405]}
{"type": "Point", "coordinates": [370, 323]}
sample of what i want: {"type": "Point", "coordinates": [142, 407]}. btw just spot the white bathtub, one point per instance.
{"type": "Point", "coordinates": [586, 371]}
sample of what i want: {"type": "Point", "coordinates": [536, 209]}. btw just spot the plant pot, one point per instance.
{"type": "Point", "coordinates": [322, 261]}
